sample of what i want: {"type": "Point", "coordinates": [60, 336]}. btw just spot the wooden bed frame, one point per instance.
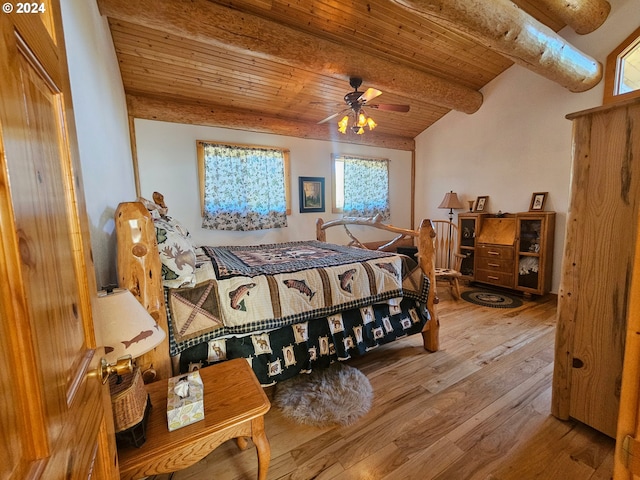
{"type": "Point", "coordinates": [139, 270]}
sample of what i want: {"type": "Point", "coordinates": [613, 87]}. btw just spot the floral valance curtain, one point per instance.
{"type": "Point", "coordinates": [244, 188]}
{"type": "Point", "coordinates": [366, 187]}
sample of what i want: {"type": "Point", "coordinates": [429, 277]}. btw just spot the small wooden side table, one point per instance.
{"type": "Point", "coordinates": [234, 407]}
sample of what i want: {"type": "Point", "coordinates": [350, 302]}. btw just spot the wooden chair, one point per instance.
{"type": "Point", "coordinates": [448, 259]}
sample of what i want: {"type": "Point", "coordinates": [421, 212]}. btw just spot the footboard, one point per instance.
{"type": "Point", "coordinates": [424, 236]}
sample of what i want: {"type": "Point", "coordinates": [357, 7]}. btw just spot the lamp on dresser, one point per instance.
{"type": "Point", "coordinates": [127, 331]}
{"type": "Point", "coordinates": [450, 201]}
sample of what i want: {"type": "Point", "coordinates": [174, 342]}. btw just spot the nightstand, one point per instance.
{"type": "Point", "coordinates": [234, 407]}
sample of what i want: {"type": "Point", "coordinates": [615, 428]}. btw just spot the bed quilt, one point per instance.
{"type": "Point", "coordinates": [247, 289]}
{"type": "Point", "coordinates": [303, 347]}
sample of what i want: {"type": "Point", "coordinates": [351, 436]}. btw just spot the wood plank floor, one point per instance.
{"type": "Point", "coordinates": [477, 409]}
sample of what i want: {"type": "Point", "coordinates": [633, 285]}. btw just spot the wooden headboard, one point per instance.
{"type": "Point", "coordinates": [140, 271]}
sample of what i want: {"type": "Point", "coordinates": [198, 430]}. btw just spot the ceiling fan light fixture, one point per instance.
{"type": "Point", "coordinates": [371, 124]}
{"type": "Point", "coordinates": [360, 120]}
{"type": "Point", "coordinates": [357, 117]}
{"type": "Point", "coordinates": [343, 124]}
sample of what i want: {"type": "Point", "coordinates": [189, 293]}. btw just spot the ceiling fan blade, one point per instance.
{"type": "Point", "coordinates": [390, 108]}
{"type": "Point", "coordinates": [331, 117]}
{"type": "Point", "coordinates": [327, 103]}
{"type": "Point", "coordinates": [370, 94]}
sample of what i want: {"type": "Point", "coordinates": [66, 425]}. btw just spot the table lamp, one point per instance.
{"type": "Point", "coordinates": [127, 331]}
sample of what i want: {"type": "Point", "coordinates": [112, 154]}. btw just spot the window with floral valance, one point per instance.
{"type": "Point", "coordinates": [243, 187]}
{"type": "Point", "coordinates": [361, 186]}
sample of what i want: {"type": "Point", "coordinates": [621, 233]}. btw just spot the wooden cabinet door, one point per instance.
{"type": "Point", "coordinates": [467, 227]}
{"type": "Point", "coordinates": [54, 417]}
{"type": "Point", "coordinates": [534, 252]}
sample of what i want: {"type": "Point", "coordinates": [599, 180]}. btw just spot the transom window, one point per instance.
{"type": "Point", "coordinates": [629, 76]}
{"type": "Point", "coordinates": [243, 187]}
{"type": "Point", "coordinates": [622, 73]}
{"type": "Point", "coordinates": [361, 186]}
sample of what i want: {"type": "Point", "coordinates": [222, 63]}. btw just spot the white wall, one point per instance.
{"type": "Point", "coordinates": [102, 127]}
{"type": "Point", "coordinates": [167, 164]}
{"type": "Point", "coordinates": [519, 142]}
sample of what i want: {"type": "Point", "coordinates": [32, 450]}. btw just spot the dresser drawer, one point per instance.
{"type": "Point", "coordinates": [502, 279]}
{"type": "Point", "coordinates": [495, 264]}
{"type": "Point", "coordinates": [495, 251]}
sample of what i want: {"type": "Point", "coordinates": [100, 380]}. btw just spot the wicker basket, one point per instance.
{"type": "Point", "coordinates": [128, 399]}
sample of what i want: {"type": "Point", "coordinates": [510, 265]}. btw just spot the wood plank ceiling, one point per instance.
{"type": "Point", "coordinates": [281, 66]}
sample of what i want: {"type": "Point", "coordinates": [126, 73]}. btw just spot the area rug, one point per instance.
{"type": "Point", "coordinates": [338, 395]}
{"type": "Point", "coordinates": [491, 299]}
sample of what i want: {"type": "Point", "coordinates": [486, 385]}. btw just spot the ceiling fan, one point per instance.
{"type": "Point", "coordinates": [355, 101]}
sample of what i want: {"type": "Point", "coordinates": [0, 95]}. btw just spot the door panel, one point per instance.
{"type": "Point", "coordinates": [56, 423]}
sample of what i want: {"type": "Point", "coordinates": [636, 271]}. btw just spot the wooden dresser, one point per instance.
{"type": "Point", "coordinates": [511, 251]}
{"type": "Point", "coordinates": [495, 252]}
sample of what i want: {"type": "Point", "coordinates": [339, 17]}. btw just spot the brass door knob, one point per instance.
{"type": "Point", "coordinates": [123, 365]}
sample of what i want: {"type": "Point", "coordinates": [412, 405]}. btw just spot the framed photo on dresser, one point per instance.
{"type": "Point", "coordinates": [537, 201]}
{"type": "Point", "coordinates": [481, 203]}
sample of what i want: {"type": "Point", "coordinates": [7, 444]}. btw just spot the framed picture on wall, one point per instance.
{"type": "Point", "coordinates": [311, 194]}
{"type": "Point", "coordinates": [537, 201]}
{"type": "Point", "coordinates": [481, 203]}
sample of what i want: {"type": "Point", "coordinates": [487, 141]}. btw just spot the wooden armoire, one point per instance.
{"type": "Point", "coordinates": [595, 287]}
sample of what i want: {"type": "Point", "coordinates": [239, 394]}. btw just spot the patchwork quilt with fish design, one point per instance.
{"type": "Point", "coordinates": [248, 289]}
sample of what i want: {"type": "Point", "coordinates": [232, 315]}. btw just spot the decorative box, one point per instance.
{"type": "Point", "coordinates": [185, 400]}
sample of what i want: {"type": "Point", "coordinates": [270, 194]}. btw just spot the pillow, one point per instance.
{"type": "Point", "coordinates": [177, 256]}
{"type": "Point", "coordinates": [180, 228]}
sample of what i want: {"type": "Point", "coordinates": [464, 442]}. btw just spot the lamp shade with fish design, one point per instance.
{"type": "Point", "coordinates": [123, 326]}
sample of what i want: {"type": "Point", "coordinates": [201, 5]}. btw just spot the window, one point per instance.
{"type": "Point", "coordinates": [622, 72]}
{"type": "Point", "coordinates": [243, 187]}
{"type": "Point", "coordinates": [361, 186]}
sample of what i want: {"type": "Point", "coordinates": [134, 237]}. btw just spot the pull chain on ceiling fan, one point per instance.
{"type": "Point", "coordinates": [356, 116]}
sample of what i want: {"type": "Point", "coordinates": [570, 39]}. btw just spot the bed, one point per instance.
{"type": "Point", "coordinates": [287, 308]}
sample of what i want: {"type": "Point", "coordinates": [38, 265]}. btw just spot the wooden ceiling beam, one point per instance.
{"type": "Point", "coordinates": [213, 116]}
{"type": "Point", "coordinates": [583, 16]}
{"type": "Point", "coordinates": [209, 23]}
{"type": "Point", "coordinates": [506, 29]}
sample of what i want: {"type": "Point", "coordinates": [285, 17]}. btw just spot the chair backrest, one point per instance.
{"type": "Point", "coordinates": [446, 243]}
